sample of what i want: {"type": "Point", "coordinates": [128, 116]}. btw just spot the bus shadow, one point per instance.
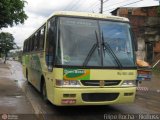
{"type": "Point", "coordinates": [80, 112]}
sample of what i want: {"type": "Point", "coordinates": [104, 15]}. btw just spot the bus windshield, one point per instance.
{"type": "Point", "coordinates": [89, 42]}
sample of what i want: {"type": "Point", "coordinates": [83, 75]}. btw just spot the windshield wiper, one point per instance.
{"type": "Point", "coordinates": [106, 47]}
{"type": "Point", "coordinates": [96, 45]}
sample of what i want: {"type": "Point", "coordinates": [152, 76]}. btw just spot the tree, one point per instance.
{"type": "Point", "coordinates": [6, 43]}
{"type": "Point", "coordinates": [11, 12]}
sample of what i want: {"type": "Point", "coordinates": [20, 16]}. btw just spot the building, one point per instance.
{"type": "Point", "coordinates": [146, 26]}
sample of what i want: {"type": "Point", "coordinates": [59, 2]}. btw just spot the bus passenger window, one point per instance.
{"type": "Point", "coordinates": [38, 39]}
{"type": "Point", "coordinates": [24, 47]}
{"type": "Point", "coordinates": [29, 44]}
{"type": "Point", "coordinates": [32, 43]}
{"type": "Point", "coordinates": [42, 37]}
{"type": "Point", "coordinates": [35, 42]}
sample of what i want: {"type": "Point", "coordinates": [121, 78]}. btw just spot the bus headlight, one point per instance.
{"type": "Point", "coordinates": [67, 83]}
{"type": "Point", "coordinates": [129, 83]}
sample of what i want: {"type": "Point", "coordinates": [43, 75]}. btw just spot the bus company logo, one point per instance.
{"type": "Point", "coordinates": [4, 116]}
{"type": "Point", "coordinates": [76, 74]}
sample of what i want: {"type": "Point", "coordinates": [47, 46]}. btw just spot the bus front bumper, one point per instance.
{"type": "Point", "coordinates": [93, 96]}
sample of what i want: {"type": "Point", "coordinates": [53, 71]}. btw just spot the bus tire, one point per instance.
{"type": "Point", "coordinates": [43, 90]}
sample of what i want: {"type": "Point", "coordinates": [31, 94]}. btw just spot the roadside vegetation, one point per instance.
{"type": "Point", "coordinates": [11, 13]}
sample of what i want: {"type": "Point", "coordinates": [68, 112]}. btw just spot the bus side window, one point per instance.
{"type": "Point", "coordinates": [38, 39]}
{"type": "Point", "coordinates": [50, 48]}
{"type": "Point", "coordinates": [41, 38]}
{"type": "Point", "coordinates": [29, 44]}
{"type": "Point", "coordinates": [24, 47]}
{"type": "Point", "coordinates": [32, 43]}
{"type": "Point", "coordinates": [35, 42]}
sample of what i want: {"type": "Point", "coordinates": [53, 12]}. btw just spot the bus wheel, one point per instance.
{"type": "Point", "coordinates": [44, 92]}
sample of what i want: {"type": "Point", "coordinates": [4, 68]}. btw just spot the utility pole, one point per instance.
{"type": "Point", "coordinates": [101, 9]}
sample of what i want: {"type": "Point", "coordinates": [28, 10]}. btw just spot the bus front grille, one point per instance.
{"type": "Point", "coordinates": [98, 82]}
{"type": "Point", "coordinates": [99, 97]}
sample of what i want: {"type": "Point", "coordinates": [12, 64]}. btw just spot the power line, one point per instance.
{"type": "Point", "coordinates": [68, 5]}
{"type": "Point", "coordinates": [96, 5]}
{"type": "Point", "coordinates": [125, 5]}
{"type": "Point", "coordinates": [101, 4]}
{"type": "Point", "coordinates": [132, 3]}
{"type": "Point", "coordinates": [116, 3]}
{"type": "Point", "coordinates": [73, 4]}
{"type": "Point", "coordinates": [76, 4]}
{"type": "Point", "coordinates": [105, 1]}
{"type": "Point", "coordinates": [96, 10]}
{"type": "Point", "coordinates": [92, 6]}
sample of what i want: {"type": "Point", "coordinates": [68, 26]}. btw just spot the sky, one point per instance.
{"type": "Point", "coordinates": [39, 10]}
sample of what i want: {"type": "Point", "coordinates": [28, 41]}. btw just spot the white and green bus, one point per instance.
{"type": "Point", "coordinates": [78, 58]}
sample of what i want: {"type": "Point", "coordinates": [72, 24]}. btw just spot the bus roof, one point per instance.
{"type": "Point", "coordinates": [90, 15]}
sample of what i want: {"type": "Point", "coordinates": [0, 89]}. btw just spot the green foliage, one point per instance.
{"type": "Point", "coordinates": [6, 42]}
{"type": "Point", "coordinates": [11, 12]}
